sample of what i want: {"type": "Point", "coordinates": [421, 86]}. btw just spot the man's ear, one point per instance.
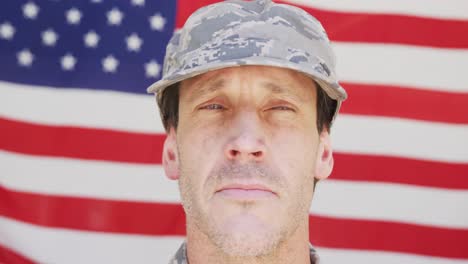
{"type": "Point", "coordinates": [324, 163]}
{"type": "Point", "coordinates": [170, 157]}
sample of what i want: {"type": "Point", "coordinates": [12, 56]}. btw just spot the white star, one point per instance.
{"type": "Point", "coordinates": [110, 64]}
{"type": "Point", "coordinates": [96, 1]}
{"type": "Point", "coordinates": [68, 62]}
{"type": "Point", "coordinates": [134, 42]}
{"type": "Point", "coordinates": [91, 39]}
{"type": "Point", "coordinates": [114, 17]}
{"type": "Point", "coordinates": [25, 58]}
{"type": "Point", "coordinates": [30, 10]}
{"type": "Point", "coordinates": [138, 2]}
{"type": "Point", "coordinates": [49, 37]}
{"type": "Point", "coordinates": [73, 16]}
{"type": "Point", "coordinates": [6, 31]}
{"type": "Point", "coordinates": [152, 69]}
{"type": "Point", "coordinates": [157, 22]}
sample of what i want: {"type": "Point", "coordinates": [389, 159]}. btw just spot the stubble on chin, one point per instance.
{"type": "Point", "coordinates": [233, 243]}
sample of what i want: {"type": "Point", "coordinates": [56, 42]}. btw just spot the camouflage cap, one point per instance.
{"type": "Point", "coordinates": [260, 32]}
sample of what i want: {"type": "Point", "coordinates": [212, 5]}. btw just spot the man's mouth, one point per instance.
{"type": "Point", "coordinates": [245, 191]}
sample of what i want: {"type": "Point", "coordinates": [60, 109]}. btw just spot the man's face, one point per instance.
{"type": "Point", "coordinates": [247, 146]}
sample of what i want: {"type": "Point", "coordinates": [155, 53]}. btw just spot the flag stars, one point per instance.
{"type": "Point", "coordinates": [91, 39]}
{"type": "Point", "coordinates": [114, 17]}
{"type": "Point", "coordinates": [73, 16]}
{"type": "Point", "coordinates": [30, 10]}
{"type": "Point", "coordinates": [138, 2]}
{"type": "Point", "coordinates": [49, 37]}
{"type": "Point", "coordinates": [7, 31]}
{"type": "Point", "coordinates": [157, 22]}
{"type": "Point", "coordinates": [152, 69]}
{"type": "Point", "coordinates": [25, 58]}
{"type": "Point", "coordinates": [68, 62]}
{"type": "Point", "coordinates": [134, 42]}
{"type": "Point", "coordinates": [110, 64]}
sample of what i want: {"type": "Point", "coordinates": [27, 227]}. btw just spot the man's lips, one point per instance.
{"type": "Point", "coordinates": [245, 191]}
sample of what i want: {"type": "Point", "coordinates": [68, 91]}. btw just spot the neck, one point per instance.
{"type": "Point", "coordinates": [293, 249]}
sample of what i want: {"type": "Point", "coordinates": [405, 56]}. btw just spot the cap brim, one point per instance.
{"type": "Point", "coordinates": [332, 88]}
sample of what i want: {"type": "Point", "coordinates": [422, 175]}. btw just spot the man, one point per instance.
{"type": "Point", "coordinates": [247, 97]}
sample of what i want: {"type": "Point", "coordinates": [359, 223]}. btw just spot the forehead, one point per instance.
{"type": "Point", "coordinates": [277, 80]}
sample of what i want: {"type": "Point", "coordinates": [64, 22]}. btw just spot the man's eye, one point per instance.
{"type": "Point", "coordinates": [283, 108]}
{"type": "Point", "coordinates": [213, 107]}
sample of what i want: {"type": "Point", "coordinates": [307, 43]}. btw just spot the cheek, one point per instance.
{"type": "Point", "coordinates": [295, 152]}
{"type": "Point", "coordinates": [199, 150]}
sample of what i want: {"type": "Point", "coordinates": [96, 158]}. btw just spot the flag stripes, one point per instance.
{"type": "Point", "coordinates": [402, 65]}
{"type": "Point", "coordinates": [78, 142]}
{"type": "Point", "coordinates": [352, 134]}
{"type": "Point", "coordinates": [168, 219]}
{"type": "Point", "coordinates": [351, 24]}
{"type": "Point", "coordinates": [107, 145]}
{"type": "Point", "coordinates": [449, 9]}
{"type": "Point", "coordinates": [88, 178]}
{"type": "Point", "coordinates": [41, 244]}
{"type": "Point", "coordinates": [365, 27]}
{"type": "Point", "coordinates": [406, 102]}
{"type": "Point", "coordinates": [423, 205]}
{"type": "Point", "coordinates": [331, 255]}
{"type": "Point", "coordinates": [392, 202]}
{"type": "Point", "coordinates": [10, 256]}
{"type": "Point", "coordinates": [86, 247]}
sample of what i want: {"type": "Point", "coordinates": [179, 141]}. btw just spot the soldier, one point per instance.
{"type": "Point", "coordinates": [247, 98]}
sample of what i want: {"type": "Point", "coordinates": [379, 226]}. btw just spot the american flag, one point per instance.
{"type": "Point", "coordinates": [81, 179]}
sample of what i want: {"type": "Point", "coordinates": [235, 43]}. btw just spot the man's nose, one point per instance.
{"type": "Point", "coordinates": [247, 141]}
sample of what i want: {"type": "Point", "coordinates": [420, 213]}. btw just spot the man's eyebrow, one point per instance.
{"type": "Point", "coordinates": [281, 90]}
{"type": "Point", "coordinates": [274, 88]}
{"type": "Point", "coordinates": [203, 88]}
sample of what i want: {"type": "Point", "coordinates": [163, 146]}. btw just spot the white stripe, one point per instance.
{"type": "Point", "coordinates": [450, 9]}
{"type": "Point", "coordinates": [49, 245]}
{"type": "Point", "coordinates": [401, 137]}
{"type": "Point", "coordinates": [392, 202]}
{"type": "Point", "coordinates": [85, 178]}
{"type": "Point", "coordinates": [375, 201]}
{"type": "Point", "coordinates": [332, 256]}
{"type": "Point", "coordinates": [418, 67]}
{"type": "Point", "coordinates": [80, 107]}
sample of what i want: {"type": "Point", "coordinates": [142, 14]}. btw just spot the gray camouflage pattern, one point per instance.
{"type": "Point", "coordinates": [181, 255]}
{"type": "Point", "coordinates": [260, 32]}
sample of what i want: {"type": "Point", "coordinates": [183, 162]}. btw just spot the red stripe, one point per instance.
{"type": "Point", "coordinates": [83, 143]}
{"type": "Point", "coordinates": [186, 7]}
{"type": "Point", "coordinates": [393, 101]}
{"type": "Point", "coordinates": [93, 214]}
{"type": "Point", "coordinates": [356, 167]}
{"type": "Point", "coordinates": [388, 28]}
{"type": "Point", "coordinates": [8, 256]}
{"type": "Point", "coordinates": [372, 28]}
{"type": "Point", "coordinates": [388, 236]}
{"type": "Point", "coordinates": [94, 144]}
{"type": "Point", "coordinates": [168, 219]}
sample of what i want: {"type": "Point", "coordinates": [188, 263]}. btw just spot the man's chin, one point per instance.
{"type": "Point", "coordinates": [246, 235]}
{"type": "Point", "coordinates": [247, 244]}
